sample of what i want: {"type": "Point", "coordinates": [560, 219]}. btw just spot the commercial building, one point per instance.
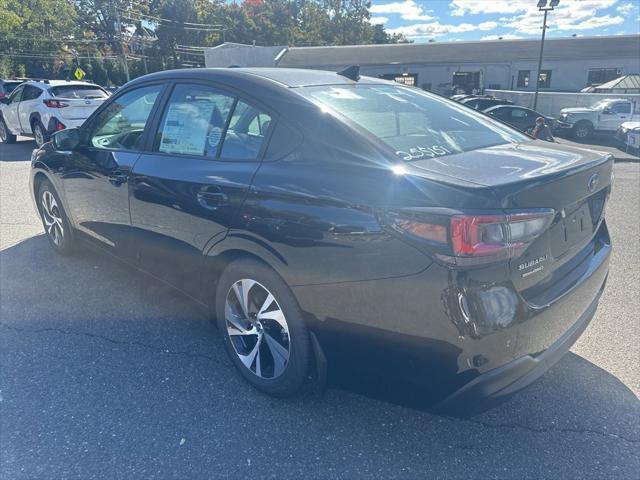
{"type": "Point", "coordinates": [570, 64]}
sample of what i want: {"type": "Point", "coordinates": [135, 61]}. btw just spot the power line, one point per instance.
{"type": "Point", "coordinates": [128, 14]}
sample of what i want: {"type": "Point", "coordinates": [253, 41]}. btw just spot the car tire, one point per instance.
{"type": "Point", "coordinates": [54, 220]}
{"type": "Point", "coordinates": [262, 328]}
{"type": "Point", "coordinates": [583, 130]}
{"type": "Point", "coordinates": [39, 133]}
{"type": "Point", "coordinates": [5, 134]}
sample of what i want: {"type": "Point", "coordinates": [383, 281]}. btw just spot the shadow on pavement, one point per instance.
{"type": "Point", "coordinates": [107, 373]}
{"type": "Point", "coordinates": [16, 152]}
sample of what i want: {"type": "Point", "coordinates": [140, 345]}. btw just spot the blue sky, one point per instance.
{"type": "Point", "coordinates": [451, 20]}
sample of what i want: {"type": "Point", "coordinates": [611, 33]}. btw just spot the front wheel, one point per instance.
{"type": "Point", "coordinates": [39, 133]}
{"type": "Point", "coordinates": [262, 328]}
{"type": "Point", "coordinates": [583, 130]}
{"type": "Point", "coordinates": [5, 134]}
{"type": "Point", "coordinates": [54, 219]}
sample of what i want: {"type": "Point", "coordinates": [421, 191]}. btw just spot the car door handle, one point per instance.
{"type": "Point", "coordinates": [212, 200]}
{"type": "Point", "coordinates": [118, 178]}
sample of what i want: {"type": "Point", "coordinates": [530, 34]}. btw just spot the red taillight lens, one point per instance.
{"type": "Point", "coordinates": [478, 235]}
{"type": "Point", "coordinates": [60, 126]}
{"type": "Point", "coordinates": [2, 94]}
{"type": "Point", "coordinates": [463, 239]}
{"type": "Point", "coordinates": [55, 103]}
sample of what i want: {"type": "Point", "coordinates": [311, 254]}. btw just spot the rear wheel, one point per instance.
{"type": "Point", "coordinates": [583, 130]}
{"type": "Point", "coordinates": [39, 133]}
{"type": "Point", "coordinates": [54, 219]}
{"type": "Point", "coordinates": [262, 328]}
{"type": "Point", "coordinates": [5, 134]}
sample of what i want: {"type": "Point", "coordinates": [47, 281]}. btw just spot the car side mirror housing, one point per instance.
{"type": "Point", "coordinates": [607, 111]}
{"type": "Point", "coordinates": [67, 139]}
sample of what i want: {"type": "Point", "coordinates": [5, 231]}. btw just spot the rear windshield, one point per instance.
{"type": "Point", "coordinates": [78, 91]}
{"type": "Point", "coordinates": [10, 86]}
{"type": "Point", "coordinates": [414, 123]}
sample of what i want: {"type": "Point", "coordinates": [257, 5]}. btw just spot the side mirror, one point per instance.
{"type": "Point", "coordinates": [67, 139]}
{"type": "Point", "coordinates": [607, 111]}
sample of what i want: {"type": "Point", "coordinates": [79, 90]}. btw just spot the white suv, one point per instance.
{"type": "Point", "coordinates": [39, 108]}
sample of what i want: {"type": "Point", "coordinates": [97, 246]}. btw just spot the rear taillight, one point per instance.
{"type": "Point", "coordinates": [474, 239]}
{"type": "Point", "coordinates": [55, 103]}
{"type": "Point", "coordinates": [2, 94]}
{"type": "Point", "coordinates": [60, 126]}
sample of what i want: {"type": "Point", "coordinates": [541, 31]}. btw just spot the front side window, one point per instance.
{"type": "Point", "coordinates": [246, 133]}
{"type": "Point", "coordinates": [194, 120]}
{"type": "Point", "coordinates": [621, 108]}
{"type": "Point", "coordinates": [414, 123]}
{"type": "Point", "coordinates": [121, 124]}
{"type": "Point", "coordinates": [16, 95]}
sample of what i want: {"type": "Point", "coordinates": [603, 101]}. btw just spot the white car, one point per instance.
{"type": "Point", "coordinates": [40, 108]}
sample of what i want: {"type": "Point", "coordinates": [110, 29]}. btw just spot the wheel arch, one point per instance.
{"type": "Point", "coordinates": [219, 258]}
{"type": "Point", "coordinates": [32, 117]}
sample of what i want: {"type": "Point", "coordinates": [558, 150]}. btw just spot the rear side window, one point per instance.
{"type": "Point", "coordinates": [194, 120]}
{"type": "Point", "coordinates": [30, 93]}
{"type": "Point", "coordinates": [518, 113]}
{"type": "Point", "coordinates": [415, 124]}
{"type": "Point", "coordinates": [78, 91]}
{"type": "Point", "coordinates": [246, 133]}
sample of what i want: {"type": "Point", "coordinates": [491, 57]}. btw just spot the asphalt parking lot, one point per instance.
{"type": "Point", "coordinates": [107, 374]}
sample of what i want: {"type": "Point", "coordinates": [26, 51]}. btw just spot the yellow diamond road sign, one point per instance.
{"type": "Point", "coordinates": [79, 73]}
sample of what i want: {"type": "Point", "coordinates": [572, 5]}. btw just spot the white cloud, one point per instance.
{"type": "Point", "coordinates": [504, 36]}
{"type": "Point", "coordinates": [627, 8]}
{"type": "Point", "coordinates": [487, 26]}
{"type": "Point", "coordinates": [569, 16]}
{"type": "Point", "coordinates": [407, 9]}
{"type": "Point", "coordinates": [436, 29]}
{"type": "Point", "coordinates": [474, 7]}
{"type": "Point", "coordinates": [378, 20]}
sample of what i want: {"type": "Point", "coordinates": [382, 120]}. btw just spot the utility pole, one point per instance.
{"type": "Point", "coordinates": [119, 33]}
{"type": "Point", "coordinates": [542, 6]}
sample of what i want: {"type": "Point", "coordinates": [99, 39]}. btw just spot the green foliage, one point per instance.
{"type": "Point", "coordinates": [46, 37]}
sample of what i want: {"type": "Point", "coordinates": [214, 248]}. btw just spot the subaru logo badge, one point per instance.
{"type": "Point", "coordinates": [592, 184]}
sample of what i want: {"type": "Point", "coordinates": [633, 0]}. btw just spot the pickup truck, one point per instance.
{"type": "Point", "coordinates": [604, 116]}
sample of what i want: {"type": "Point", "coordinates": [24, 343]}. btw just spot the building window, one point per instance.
{"type": "Point", "coordinates": [545, 78]}
{"type": "Point", "coordinates": [598, 76]}
{"type": "Point", "coordinates": [408, 79]}
{"type": "Point", "coordinates": [523, 78]}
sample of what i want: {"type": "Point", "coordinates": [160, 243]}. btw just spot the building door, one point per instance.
{"type": "Point", "coordinates": [467, 81]}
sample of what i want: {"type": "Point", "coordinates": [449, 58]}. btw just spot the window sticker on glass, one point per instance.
{"type": "Point", "coordinates": [415, 153]}
{"type": "Point", "coordinates": [187, 131]}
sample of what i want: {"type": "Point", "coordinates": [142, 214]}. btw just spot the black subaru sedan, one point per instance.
{"type": "Point", "coordinates": [329, 220]}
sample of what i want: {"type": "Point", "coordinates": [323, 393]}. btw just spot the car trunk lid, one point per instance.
{"type": "Point", "coordinates": [574, 182]}
{"type": "Point", "coordinates": [78, 108]}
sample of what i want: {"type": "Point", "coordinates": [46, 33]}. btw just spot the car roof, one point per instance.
{"type": "Point", "coordinates": [57, 83]}
{"type": "Point", "coordinates": [496, 107]}
{"type": "Point", "coordinates": [287, 77]}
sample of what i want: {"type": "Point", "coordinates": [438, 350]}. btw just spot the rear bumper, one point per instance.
{"type": "Point", "coordinates": [498, 385]}
{"type": "Point", "coordinates": [54, 121]}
